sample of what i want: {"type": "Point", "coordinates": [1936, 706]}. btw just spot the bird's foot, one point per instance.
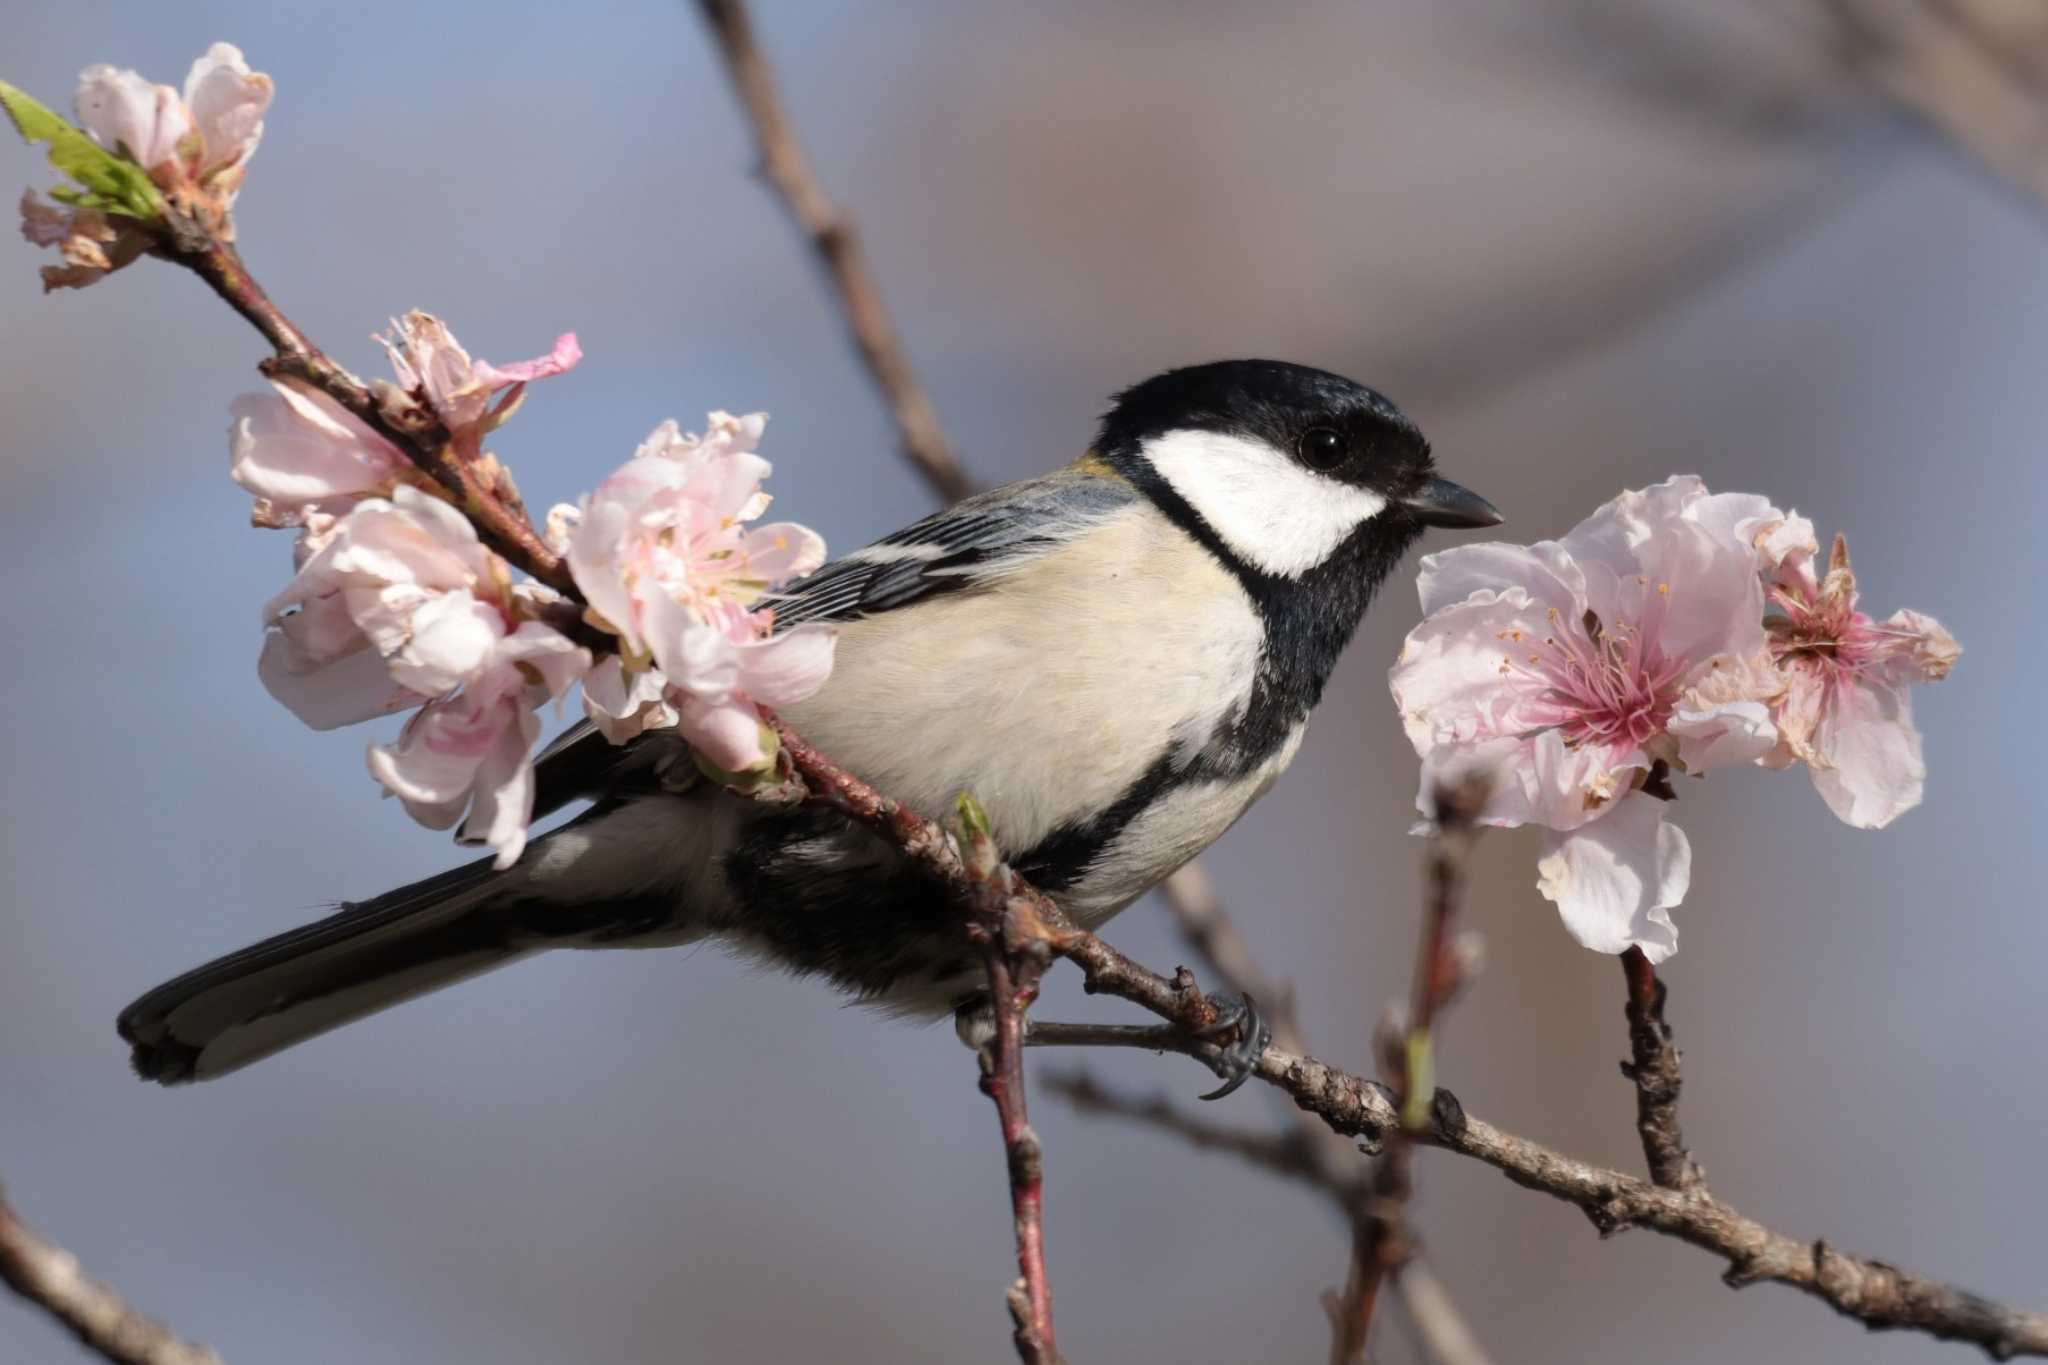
{"type": "Point", "coordinates": [1230, 1044]}
{"type": "Point", "coordinates": [1248, 1035]}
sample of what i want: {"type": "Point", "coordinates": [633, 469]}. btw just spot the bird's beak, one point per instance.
{"type": "Point", "coordinates": [1443, 503]}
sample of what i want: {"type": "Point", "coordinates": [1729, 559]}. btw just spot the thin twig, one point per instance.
{"type": "Point", "coordinates": [1381, 1242]}
{"type": "Point", "coordinates": [1879, 1295]}
{"type": "Point", "coordinates": [1445, 1338]}
{"type": "Point", "coordinates": [1654, 1072]}
{"type": "Point", "coordinates": [838, 248]}
{"type": "Point", "coordinates": [50, 1277]}
{"type": "Point", "coordinates": [1015, 964]}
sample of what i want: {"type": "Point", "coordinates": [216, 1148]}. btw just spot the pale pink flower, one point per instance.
{"type": "Point", "coordinates": [662, 554]}
{"type": "Point", "coordinates": [301, 452]}
{"type": "Point", "coordinates": [402, 581]}
{"type": "Point", "coordinates": [428, 358]}
{"type": "Point", "coordinates": [1846, 712]}
{"type": "Point", "coordinates": [131, 117]}
{"type": "Point", "coordinates": [1572, 667]}
{"type": "Point", "coordinates": [93, 244]}
{"type": "Point", "coordinates": [201, 140]}
{"type": "Point", "coordinates": [467, 752]}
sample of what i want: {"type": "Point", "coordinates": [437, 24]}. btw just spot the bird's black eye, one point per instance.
{"type": "Point", "coordinates": [1321, 448]}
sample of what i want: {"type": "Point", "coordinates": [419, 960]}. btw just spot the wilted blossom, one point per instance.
{"type": "Point", "coordinates": [1845, 712]}
{"type": "Point", "coordinates": [93, 244]}
{"type": "Point", "coordinates": [1671, 627]}
{"type": "Point", "coordinates": [468, 752]}
{"type": "Point", "coordinates": [662, 553]}
{"type": "Point", "coordinates": [300, 452]}
{"type": "Point", "coordinates": [1573, 666]}
{"type": "Point", "coordinates": [428, 359]}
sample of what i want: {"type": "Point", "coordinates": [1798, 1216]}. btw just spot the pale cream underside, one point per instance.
{"type": "Point", "coordinates": [1050, 693]}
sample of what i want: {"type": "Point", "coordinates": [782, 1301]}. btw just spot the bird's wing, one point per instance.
{"type": "Point", "coordinates": [970, 543]}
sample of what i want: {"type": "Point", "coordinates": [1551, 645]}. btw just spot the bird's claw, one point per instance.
{"type": "Point", "coordinates": [1250, 1035]}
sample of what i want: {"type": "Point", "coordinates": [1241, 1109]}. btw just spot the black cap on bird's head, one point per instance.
{"type": "Point", "coordinates": [1284, 463]}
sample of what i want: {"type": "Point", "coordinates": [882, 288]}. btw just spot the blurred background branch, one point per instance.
{"type": "Point", "coordinates": [50, 1277]}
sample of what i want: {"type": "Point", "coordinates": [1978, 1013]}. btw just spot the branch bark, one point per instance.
{"type": "Point", "coordinates": [477, 486]}
{"type": "Point", "coordinates": [1654, 1072]}
{"type": "Point", "coordinates": [1381, 1242]}
{"type": "Point", "coordinates": [50, 1277]}
{"type": "Point", "coordinates": [832, 236]}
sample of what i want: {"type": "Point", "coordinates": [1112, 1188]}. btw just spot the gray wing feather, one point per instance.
{"type": "Point", "coordinates": [970, 541]}
{"type": "Point", "coordinates": [973, 541]}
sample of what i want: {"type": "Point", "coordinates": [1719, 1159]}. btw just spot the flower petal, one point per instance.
{"type": "Point", "coordinates": [300, 450]}
{"type": "Point", "coordinates": [728, 733]}
{"type": "Point", "coordinates": [1543, 571]}
{"type": "Point", "coordinates": [124, 112]}
{"type": "Point", "coordinates": [1868, 766]}
{"type": "Point", "coordinates": [563, 358]}
{"type": "Point", "coordinates": [788, 668]}
{"type": "Point", "coordinates": [227, 102]}
{"type": "Point", "coordinates": [783, 550]}
{"type": "Point", "coordinates": [342, 691]}
{"type": "Point", "coordinates": [1615, 880]}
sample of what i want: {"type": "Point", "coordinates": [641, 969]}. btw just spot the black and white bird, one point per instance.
{"type": "Point", "coordinates": [1117, 658]}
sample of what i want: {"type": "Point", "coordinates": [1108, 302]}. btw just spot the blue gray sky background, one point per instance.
{"type": "Point", "coordinates": [1585, 245]}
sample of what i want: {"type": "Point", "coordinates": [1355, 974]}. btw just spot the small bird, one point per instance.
{"type": "Point", "coordinates": [1117, 659]}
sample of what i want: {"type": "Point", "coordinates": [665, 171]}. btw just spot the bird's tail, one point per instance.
{"type": "Point", "coordinates": [284, 990]}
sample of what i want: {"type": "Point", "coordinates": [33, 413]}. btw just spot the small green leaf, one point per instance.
{"type": "Point", "coordinates": [106, 181]}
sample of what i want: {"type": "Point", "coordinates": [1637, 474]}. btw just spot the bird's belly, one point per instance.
{"type": "Point", "coordinates": [1047, 694]}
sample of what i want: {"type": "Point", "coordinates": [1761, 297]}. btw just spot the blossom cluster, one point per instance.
{"type": "Point", "coordinates": [398, 606]}
{"type": "Point", "coordinates": [1674, 631]}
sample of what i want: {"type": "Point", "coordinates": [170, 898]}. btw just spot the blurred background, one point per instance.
{"type": "Point", "coordinates": [1794, 247]}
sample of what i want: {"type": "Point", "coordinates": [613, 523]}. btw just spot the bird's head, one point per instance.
{"type": "Point", "coordinates": [1288, 473]}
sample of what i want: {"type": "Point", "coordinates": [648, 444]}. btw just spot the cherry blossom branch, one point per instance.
{"type": "Point", "coordinates": [832, 237]}
{"type": "Point", "coordinates": [50, 1277]}
{"type": "Point", "coordinates": [1654, 1071]}
{"type": "Point", "coordinates": [477, 485]}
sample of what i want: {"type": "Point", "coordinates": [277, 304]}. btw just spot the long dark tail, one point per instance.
{"type": "Point", "coordinates": [284, 990]}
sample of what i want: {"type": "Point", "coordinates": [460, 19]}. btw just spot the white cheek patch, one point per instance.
{"type": "Point", "coordinates": [1275, 515]}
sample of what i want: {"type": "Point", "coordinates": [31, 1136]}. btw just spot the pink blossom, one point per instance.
{"type": "Point", "coordinates": [1574, 666]}
{"type": "Point", "coordinates": [467, 752]}
{"type": "Point", "coordinates": [662, 554]}
{"type": "Point", "coordinates": [402, 581]}
{"type": "Point", "coordinates": [203, 138]}
{"type": "Point", "coordinates": [1846, 712]}
{"type": "Point", "coordinates": [428, 358]}
{"type": "Point", "coordinates": [299, 451]}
